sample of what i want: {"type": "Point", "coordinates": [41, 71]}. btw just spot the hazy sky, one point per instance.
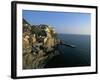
{"type": "Point", "coordinates": [63, 22]}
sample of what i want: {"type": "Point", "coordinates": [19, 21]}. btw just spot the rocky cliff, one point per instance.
{"type": "Point", "coordinates": [39, 45]}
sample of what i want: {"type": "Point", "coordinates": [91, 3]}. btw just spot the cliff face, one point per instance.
{"type": "Point", "coordinates": [39, 45]}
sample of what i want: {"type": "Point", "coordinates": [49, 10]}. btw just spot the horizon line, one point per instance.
{"type": "Point", "coordinates": [75, 34]}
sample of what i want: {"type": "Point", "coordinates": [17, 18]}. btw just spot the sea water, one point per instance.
{"type": "Point", "coordinates": [72, 57]}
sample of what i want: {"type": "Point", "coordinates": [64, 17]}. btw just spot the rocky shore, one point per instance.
{"type": "Point", "coordinates": [39, 45]}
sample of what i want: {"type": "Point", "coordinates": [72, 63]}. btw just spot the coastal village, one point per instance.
{"type": "Point", "coordinates": [39, 45]}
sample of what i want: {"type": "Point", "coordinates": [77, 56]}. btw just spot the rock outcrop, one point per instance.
{"type": "Point", "coordinates": [39, 45]}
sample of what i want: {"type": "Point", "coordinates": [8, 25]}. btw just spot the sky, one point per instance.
{"type": "Point", "coordinates": [63, 22]}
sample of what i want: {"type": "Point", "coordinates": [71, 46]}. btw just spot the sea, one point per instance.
{"type": "Point", "coordinates": [72, 57]}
